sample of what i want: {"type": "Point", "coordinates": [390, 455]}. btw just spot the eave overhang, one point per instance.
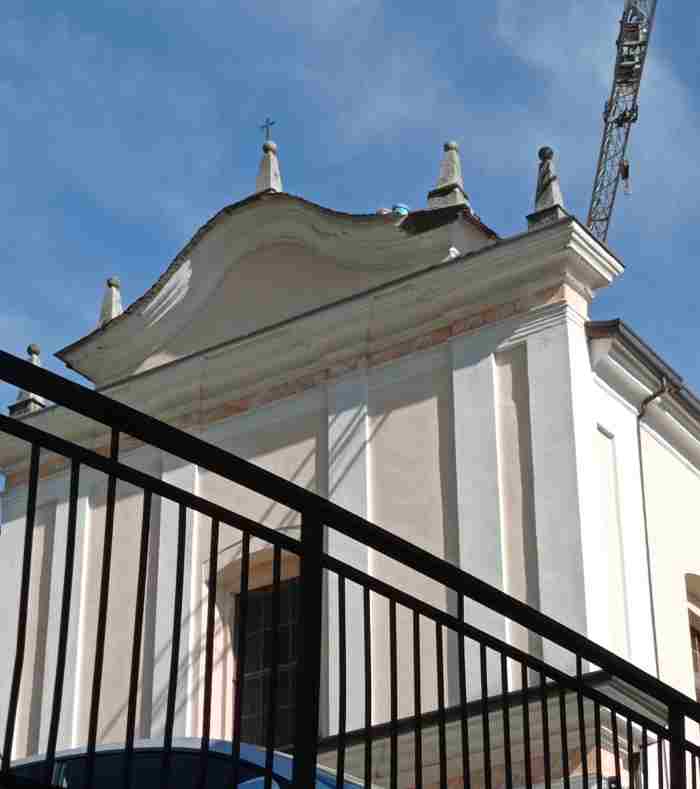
{"type": "Point", "coordinates": [632, 369]}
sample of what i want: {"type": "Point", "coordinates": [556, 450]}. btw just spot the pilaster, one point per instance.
{"type": "Point", "coordinates": [562, 424]}
{"type": "Point", "coordinates": [182, 476]}
{"type": "Point", "coordinates": [478, 496]}
{"type": "Point", "coordinates": [347, 487]}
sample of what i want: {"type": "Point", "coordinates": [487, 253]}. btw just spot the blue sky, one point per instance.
{"type": "Point", "coordinates": [127, 125]}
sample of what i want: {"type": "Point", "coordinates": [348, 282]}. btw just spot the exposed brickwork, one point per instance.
{"type": "Point", "coordinates": [483, 316]}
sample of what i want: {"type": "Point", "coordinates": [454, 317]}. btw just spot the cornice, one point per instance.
{"type": "Point", "coordinates": [635, 372]}
{"type": "Point", "coordinates": [518, 284]}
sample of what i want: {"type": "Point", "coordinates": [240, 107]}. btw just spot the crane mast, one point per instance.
{"type": "Point", "coordinates": [621, 111]}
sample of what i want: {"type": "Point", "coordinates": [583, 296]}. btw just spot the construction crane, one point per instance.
{"type": "Point", "coordinates": [621, 111]}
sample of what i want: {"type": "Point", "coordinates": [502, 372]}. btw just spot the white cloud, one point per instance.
{"type": "Point", "coordinates": [570, 48]}
{"type": "Point", "coordinates": [105, 121]}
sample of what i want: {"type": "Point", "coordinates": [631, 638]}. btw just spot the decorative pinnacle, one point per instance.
{"type": "Point", "coordinates": [27, 402]}
{"type": "Point", "coordinates": [269, 176]}
{"type": "Point", "coordinates": [549, 202]}
{"type": "Point", "coordinates": [548, 193]}
{"type": "Point", "coordinates": [111, 302]}
{"type": "Point", "coordinates": [450, 187]}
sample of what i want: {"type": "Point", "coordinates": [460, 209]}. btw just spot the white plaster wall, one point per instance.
{"type": "Point", "coordinates": [348, 430]}
{"type": "Point", "coordinates": [562, 420]}
{"type": "Point", "coordinates": [480, 451]}
{"type": "Point", "coordinates": [11, 546]}
{"type": "Point", "coordinates": [412, 495]}
{"type": "Point", "coordinates": [672, 488]}
{"type": "Point", "coordinates": [295, 269]}
{"type": "Point", "coordinates": [517, 506]}
{"type": "Point", "coordinates": [46, 586]}
{"type": "Point", "coordinates": [478, 486]}
{"type": "Point", "coordinates": [617, 419]}
{"type": "Point", "coordinates": [121, 605]}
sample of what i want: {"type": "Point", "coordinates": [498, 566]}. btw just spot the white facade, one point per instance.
{"type": "Point", "coordinates": [466, 405]}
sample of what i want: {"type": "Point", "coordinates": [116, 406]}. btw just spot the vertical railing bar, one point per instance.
{"type": "Point", "coordinates": [676, 734]}
{"type": "Point", "coordinates": [23, 606]}
{"type": "Point", "coordinates": [616, 746]}
{"type": "Point", "coordinates": [462, 657]}
{"type": "Point", "coordinates": [175, 645]}
{"type": "Point", "coordinates": [102, 614]}
{"type": "Point", "coordinates": [630, 752]}
{"type": "Point", "coordinates": [368, 684]}
{"type": "Point", "coordinates": [138, 636]}
{"type": "Point", "coordinates": [209, 650]}
{"type": "Point", "coordinates": [582, 723]}
{"type": "Point", "coordinates": [545, 733]}
{"type": "Point", "coordinates": [660, 762]}
{"type": "Point", "coordinates": [65, 619]}
{"type": "Point", "coordinates": [417, 711]}
{"type": "Point", "coordinates": [442, 735]}
{"type": "Point", "coordinates": [645, 759]}
{"type": "Point", "coordinates": [693, 774]}
{"type": "Point", "coordinates": [506, 722]}
{"type": "Point", "coordinates": [564, 738]}
{"type": "Point", "coordinates": [394, 694]}
{"type": "Point", "coordinates": [598, 745]}
{"type": "Point", "coordinates": [485, 716]}
{"type": "Point", "coordinates": [274, 668]}
{"type": "Point", "coordinates": [526, 727]}
{"type": "Point", "coordinates": [309, 682]}
{"type": "Point", "coordinates": [342, 680]}
{"type": "Point", "coordinates": [241, 627]}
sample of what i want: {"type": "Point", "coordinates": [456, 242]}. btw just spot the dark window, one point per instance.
{"type": "Point", "coordinates": [695, 643]}
{"type": "Point", "coordinates": [259, 660]}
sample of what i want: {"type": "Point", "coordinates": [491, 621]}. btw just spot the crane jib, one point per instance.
{"type": "Point", "coordinates": [621, 111]}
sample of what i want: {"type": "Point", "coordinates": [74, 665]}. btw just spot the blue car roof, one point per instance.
{"type": "Point", "coordinates": [254, 755]}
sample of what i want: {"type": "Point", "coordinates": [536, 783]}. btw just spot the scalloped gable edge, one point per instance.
{"type": "Point", "coordinates": [417, 222]}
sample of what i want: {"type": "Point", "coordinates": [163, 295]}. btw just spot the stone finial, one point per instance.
{"type": "Point", "coordinates": [26, 402]}
{"type": "Point", "coordinates": [549, 202]}
{"type": "Point", "coordinates": [111, 302]}
{"type": "Point", "coordinates": [269, 176]}
{"type": "Point", "coordinates": [450, 187]}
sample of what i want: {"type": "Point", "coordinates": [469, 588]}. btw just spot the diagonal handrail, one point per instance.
{"type": "Point", "coordinates": [167, 438]}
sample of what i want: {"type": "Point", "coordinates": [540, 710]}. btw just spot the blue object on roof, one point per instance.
{"type": "Point", "coordinates": [185, 767]}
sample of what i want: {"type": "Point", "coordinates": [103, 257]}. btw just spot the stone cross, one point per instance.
{"type": "Point", "coordinates": [266, 127]}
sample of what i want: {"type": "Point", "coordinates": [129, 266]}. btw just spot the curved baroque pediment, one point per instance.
{"type": "Point", "coordinates": [261, 262]}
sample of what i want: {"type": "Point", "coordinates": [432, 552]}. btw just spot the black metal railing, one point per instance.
{"type": "Point", "coordinates": [481, 712]}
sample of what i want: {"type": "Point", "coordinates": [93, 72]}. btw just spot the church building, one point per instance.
{"type": "Point", "coordinates": [413, 367]}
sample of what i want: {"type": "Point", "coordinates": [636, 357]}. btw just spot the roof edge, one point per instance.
{"type": "Point", "coordinates": [617, 329]}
